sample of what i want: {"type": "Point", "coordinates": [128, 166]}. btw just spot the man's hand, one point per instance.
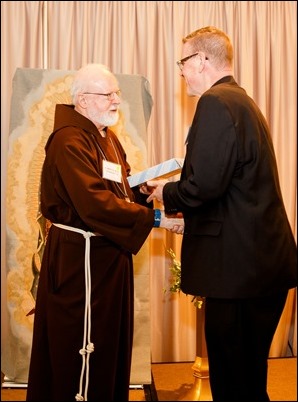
{"type": "Point", "coordinates": [154, 188]}
{"type": "Point", "coordinates": [174, 224]}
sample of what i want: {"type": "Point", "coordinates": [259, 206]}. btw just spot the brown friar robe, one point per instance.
{"type": "Point", "coordinates": [74, 193]}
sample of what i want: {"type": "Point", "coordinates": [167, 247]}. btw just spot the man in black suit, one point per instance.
{"type": "Point", "coordinates": [238, 248]}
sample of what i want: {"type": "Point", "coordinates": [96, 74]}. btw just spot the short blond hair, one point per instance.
{"type": "Point", "coordinates": [214, 43]}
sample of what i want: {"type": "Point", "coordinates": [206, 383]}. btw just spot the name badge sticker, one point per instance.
{"type": "Point", "coordinates": [111, 171]}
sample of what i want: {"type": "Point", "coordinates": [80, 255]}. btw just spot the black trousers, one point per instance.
{"type": "Point", "coordinates": [238, 338]}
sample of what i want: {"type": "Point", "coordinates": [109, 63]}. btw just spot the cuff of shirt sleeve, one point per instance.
{"type": "Point", "coordinates": [157, 218]}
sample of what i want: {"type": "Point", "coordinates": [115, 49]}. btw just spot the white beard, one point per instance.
{"type": "Point", "coordinates": [108, 119]}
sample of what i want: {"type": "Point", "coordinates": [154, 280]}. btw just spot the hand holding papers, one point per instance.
{"type": "Point", "coordinates": [154, 188]}
{"type": "Point", "coordinates": [151, 182]}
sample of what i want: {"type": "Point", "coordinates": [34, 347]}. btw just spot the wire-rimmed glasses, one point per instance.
{"type": "Point", "coordinates": [110, 96]}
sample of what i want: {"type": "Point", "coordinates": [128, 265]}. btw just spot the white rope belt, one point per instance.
{"type": "Point", "coordinates": [87, 347]}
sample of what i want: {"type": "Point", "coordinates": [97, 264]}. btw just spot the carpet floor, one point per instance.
{"type": "Point", "coordinates": [174, 381]}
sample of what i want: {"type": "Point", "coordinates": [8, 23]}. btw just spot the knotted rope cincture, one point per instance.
{"type": "Point", "coordinates": [87, 348]}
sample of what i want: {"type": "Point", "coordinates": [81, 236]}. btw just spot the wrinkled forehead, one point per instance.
{"type": "Point", "coordinates": [97, 79]}
{"type": "Point", "coordinates": [108, 82]}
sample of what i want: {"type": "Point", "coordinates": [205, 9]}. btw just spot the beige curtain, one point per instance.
{"type": "Point", "coordinates": [140, 37]}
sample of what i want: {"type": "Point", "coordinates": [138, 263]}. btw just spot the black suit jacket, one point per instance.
{"type": "Point", "coordinates": [237, 241]}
